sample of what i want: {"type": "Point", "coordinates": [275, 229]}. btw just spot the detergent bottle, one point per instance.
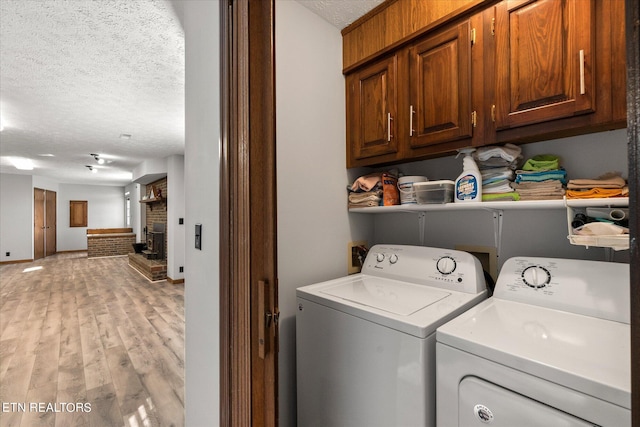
{"type": "Point", "coordinates": [468, 186]}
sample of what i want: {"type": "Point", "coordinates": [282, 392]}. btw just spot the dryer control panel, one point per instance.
{"type": "Point", "coordinates": [443, 268]}
{"type": "Point", "coordinates": [592, 288]}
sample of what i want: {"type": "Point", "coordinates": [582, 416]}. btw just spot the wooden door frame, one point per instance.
{"type": "Point", "coordinates": [248, 247]}
{"type": "Point", "coordinates": [35, 217]}
{"type": "Point", "coordinates": [51, 221]}
{"type": "Point", "coordinates": [632, 14]}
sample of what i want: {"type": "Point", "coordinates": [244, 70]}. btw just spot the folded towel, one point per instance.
{"type": "Point", "coordinates": [508, 152]}
{"type": "Point", "coordinates": [366, 182]}
{"type": "Point", "coordinates": [497, 187]}
{"type": "Point", "coordinates": [369, 196]}
{"type": "Point", "coordinates": [500, 197]}
{"type": "Point", "coordinates": [542, 162]}
{"type": "Point", "coordinates": [543, 175]}
{"type": "Point", "coordinates": [610, 180]}
{"type": "Point", "coordinates": [598, 193]}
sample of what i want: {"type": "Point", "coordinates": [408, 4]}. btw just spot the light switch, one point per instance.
{"type": "Point", "coordinates": [199, 236]}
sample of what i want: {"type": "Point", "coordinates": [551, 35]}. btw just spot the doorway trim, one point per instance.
{"type": "Point", "coordinates": [248, 247]}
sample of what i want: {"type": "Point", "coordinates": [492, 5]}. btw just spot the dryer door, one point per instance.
{"type": "Point", "coordinates": [483, 403]}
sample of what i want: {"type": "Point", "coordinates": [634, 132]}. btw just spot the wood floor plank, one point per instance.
{"type": "Point", "coordinates": [7, 349]}
{"type": "Point", "coordinates": [96, 369]}
{"type": "Point", "coordinates": [130, 391]}
{"type": "Point", "coordinates": [41, 411]}
{"type": "Point", "coordinates": [105, 410]}
{"type": "Point", "coordinates": [45, 368]}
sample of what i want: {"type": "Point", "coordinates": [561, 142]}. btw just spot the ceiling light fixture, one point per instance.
{"type": "Point", "coordinates": [125, 136]}
{"type": "Point", "coordinates": [92, 169]}
{"type": "Point", "coordinates": [98, 158]}
{"type": "Point", "coordinates": [22, 163]}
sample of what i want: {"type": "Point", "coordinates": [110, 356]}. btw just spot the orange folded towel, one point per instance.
{"type": "Point", "coordinates": [598, 193]}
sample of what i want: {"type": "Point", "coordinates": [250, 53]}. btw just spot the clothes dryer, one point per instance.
{"type": "Point", "coordinates": [366, 343]}
{"type": "Point", "coordinates": [551, 348]}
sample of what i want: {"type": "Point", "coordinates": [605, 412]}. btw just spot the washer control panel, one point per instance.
{"type": "Point", "coordinates": [445, 268]}
{"type": "Point", "coordinates": [599, 289]}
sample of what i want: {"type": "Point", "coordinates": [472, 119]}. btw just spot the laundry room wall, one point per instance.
{"type": "Point", "coordinates": [524, 232]}
{"type": "Point", "coordinates": [314, 226]}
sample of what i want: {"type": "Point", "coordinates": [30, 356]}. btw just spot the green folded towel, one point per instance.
{"type": "Point", "coordinates": [542, 162]}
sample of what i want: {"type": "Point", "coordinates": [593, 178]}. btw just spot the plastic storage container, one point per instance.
{"type": "Point", "coordinates": [407, 193]}
{"type": "Point", "coordinates": [434, 192]}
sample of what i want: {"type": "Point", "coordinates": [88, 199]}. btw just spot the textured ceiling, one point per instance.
{"type": "Point", "coordinates": [340, 13]}
{"type": "Point", "coordinates": [74, 75]}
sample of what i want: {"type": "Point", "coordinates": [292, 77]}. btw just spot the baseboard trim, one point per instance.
{"type": "Point", "coordinates": [175, 281]}
{"type": "Point", "coordinates": [71, 251]}
{"type": "Point", "coordinates": [17, 261]}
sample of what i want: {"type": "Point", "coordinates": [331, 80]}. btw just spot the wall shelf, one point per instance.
{"type": "Point", "coordinates": [498, 208]}
{"type": "Point", "coordinates": [152, 201]}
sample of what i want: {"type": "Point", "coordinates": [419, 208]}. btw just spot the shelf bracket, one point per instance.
{"type": "Point", "coordinates": [422, 219]}
{"type": "Point", "coordinates": [497, 230]}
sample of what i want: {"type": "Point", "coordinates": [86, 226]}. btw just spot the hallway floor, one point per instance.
{"type": "Point", "coordinates": [89, 342]}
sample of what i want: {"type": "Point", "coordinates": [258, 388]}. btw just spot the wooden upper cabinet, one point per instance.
{"type": "Point", "coordinates": [544, 60]}
{"type": "Point", "coordinates": [372, 105]}
{"type": "Point", "coordinates": [440, 88]}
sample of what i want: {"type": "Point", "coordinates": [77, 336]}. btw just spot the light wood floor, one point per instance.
{"type": "Point", "coordinates": [94, 334]}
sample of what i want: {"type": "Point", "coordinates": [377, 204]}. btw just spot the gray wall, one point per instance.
{"type": "Point", "coordinates": [314, 226]}
{"type": "Point", "coordinates": [16, 217]}
{"type": "Point", "coordinates": [105, 210]}
{"type": "Point", "coordinates": [202, 175]}
{"type": "Point", "coordinates": [525, 232]}
{"type": "Point", "coordinates": [175, 210]}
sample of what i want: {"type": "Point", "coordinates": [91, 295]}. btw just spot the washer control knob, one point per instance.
{"type": "Point", "coordinates": [446, 265]}
{"type": "Point", "coordinates": [393, 258]}
{"type": "Point", "coordinates": [380, 257]}
{"type": "Point", "coordinates": [536, 276]}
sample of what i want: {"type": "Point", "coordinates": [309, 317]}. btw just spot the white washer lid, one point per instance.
{"type": "Point", "coordinates": [393, 297]}
{"type": "Point", "coordinates": [584, 353]}
{"type": "Point", "coordinates": [440, 305]}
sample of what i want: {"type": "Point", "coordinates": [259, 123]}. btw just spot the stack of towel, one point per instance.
{"type": "Point", "coordinates": [496, 166]}
{"type": "Point", "coordinates": [541, 178]}
{"type": "Point", "coordinates": [375, 189]}
{"type": "Point", "coordinates": [608, 185]}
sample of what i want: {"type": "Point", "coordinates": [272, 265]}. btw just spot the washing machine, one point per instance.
{"type": "Point", "coordinates": [365, 344]}
{"type": "Point", "coordinates": [550, 348]}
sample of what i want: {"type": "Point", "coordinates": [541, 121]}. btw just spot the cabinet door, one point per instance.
{"type": "Point", "coordinates": [440, 88]}
{"type": "Point", "coordinates": [544, 60]}
{"type": "Point", "coordinates": [371, 111]}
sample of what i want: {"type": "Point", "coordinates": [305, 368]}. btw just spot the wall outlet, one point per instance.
{"type": "Point", "coordinates": [356, 252]}
{"type": "Point", "coordinates": [8, 254]}
{"type": "Point", "coordinates": [181, 269]}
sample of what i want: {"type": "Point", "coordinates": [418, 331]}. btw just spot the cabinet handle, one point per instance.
{"type": "Point", "coordinates": [582, 88]}
{"type": "Point", "coordinates": [389, 118]}
{"type": "Point", "coordinates": [411, 113]}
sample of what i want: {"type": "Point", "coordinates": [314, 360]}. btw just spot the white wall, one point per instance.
{"type": "Point", "coordinates": [138, 214]}
{"type": "Point", "coordinates": [202, 173]}
{"type": "Point", "coordinates": [16, 213]}
{"type": "Point", "coordinates": [525, 232]}
{"type": "Point", "coordinates": [313, 223]}
{"type": "Point", "coordinates": [105, 210]}
{"type": "Point", "coordinates": [175, 211]}
{"type": "Point", "coordinates": [150, 167]}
